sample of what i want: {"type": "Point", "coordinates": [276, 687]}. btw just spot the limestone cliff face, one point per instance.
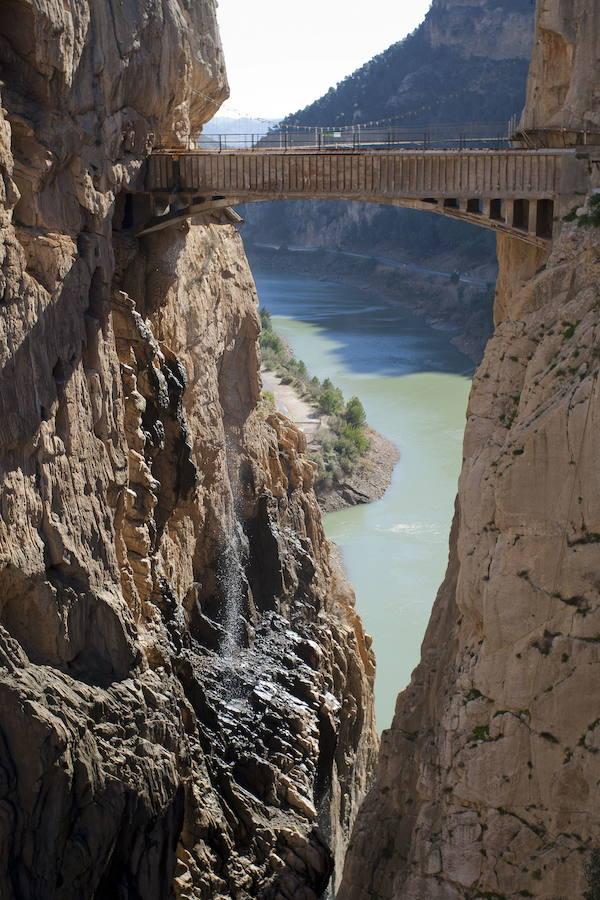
{"type": "Point", "coordinates": [497, 30]}
{"type": "Point", "coordinates": [563, 89]}
{"type": "Point", "coordinates": [487, 781]}
{"type": "Point", "coordinates": [185, 688]}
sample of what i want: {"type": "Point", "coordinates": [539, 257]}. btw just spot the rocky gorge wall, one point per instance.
{"type": "Point", "coordinates": [185, 687]}
{"type": "Point", "coordinates": [487, 781]}
{"type": "Point", "coordinates": [487, 778]}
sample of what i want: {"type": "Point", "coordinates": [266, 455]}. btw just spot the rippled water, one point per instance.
{"type": "Point", "coordinates": [414, 385]}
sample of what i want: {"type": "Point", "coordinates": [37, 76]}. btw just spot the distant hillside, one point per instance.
{"type": "Point", "coordinates": [417, 82]}
{"type": "Point", "coordinates": [238, 125]}
{"type": "Point", "coordinates": [467, 62]}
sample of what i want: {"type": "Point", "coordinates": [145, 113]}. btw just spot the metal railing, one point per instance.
{"type": "Point", "coordinates": [473, 135]}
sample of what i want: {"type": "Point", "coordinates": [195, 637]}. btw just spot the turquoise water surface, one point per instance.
{"type": "Point", "coordinates": [414, 384]}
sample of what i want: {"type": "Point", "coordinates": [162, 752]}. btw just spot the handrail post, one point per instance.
{"type": "Point", "coordinates": [220, 142]}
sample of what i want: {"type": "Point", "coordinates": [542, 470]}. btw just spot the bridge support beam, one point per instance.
{"type": "Point", "coordinates": [533, 217]}
{"type": "Point", "coordinates": [509, 212]}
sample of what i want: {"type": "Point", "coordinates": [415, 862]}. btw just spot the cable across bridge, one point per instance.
{"type": "Point", "coordinates": [354, 137]}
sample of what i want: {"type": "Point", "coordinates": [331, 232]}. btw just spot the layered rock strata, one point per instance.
{"type": "Point", "coordinates": [185, 688]}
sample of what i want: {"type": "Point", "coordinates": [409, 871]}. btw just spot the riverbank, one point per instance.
{"type": "Point", "coordinates": [372, 474]}
{"type": "Point", "coordinates": [370, 479]}
{"type": "Point", "coordinates": [460, 304]}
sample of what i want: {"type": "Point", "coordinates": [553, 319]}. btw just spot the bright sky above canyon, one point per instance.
{"type": "Point", "coordinates": [282, 55]}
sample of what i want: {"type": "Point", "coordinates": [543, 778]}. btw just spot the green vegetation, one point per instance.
{"type": "Point", "coordinates": [474, 694]}
{"type": "Point", "coordinates": [344, 441]}
{"type": "Point", "coordinates": [593, 216]}
{"type": "Point", "coordinates": [331, 399]}
{"type": "Point", "coordinates": [268, 402]}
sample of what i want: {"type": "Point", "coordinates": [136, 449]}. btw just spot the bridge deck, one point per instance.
{"type": "Point", "coordinates": [510, 189]}
{"type": "Point", "coordinates": [400, 173]}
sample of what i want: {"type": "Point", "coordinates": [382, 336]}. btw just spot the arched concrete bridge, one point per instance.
{"type": "Point", "coordinates": [514, 191]}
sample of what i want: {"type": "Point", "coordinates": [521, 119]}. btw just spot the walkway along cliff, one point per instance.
{"type": "Point", "coordinates": [487, 783]}
{"type": "Point", "coordinates": [185, 688]}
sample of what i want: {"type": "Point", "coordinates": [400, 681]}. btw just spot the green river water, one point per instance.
{"type": "Point", "coordinates": [414, 385]}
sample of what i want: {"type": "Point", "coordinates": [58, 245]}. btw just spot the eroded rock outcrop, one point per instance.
{"type": "Point", "coordinates": [185, 704]}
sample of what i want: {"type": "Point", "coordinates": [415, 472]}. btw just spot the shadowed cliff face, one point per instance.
{"type": "Point", "coordinates": [488, 777]}
{"type": "Point", "coordinates": [185, 689]}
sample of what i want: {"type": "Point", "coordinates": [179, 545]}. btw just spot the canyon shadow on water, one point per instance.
{"type": "Point", "coordinates": [414, 384]}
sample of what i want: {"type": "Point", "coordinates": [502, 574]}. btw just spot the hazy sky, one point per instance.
{"type": "Point", "coordinates": [282, 55]}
